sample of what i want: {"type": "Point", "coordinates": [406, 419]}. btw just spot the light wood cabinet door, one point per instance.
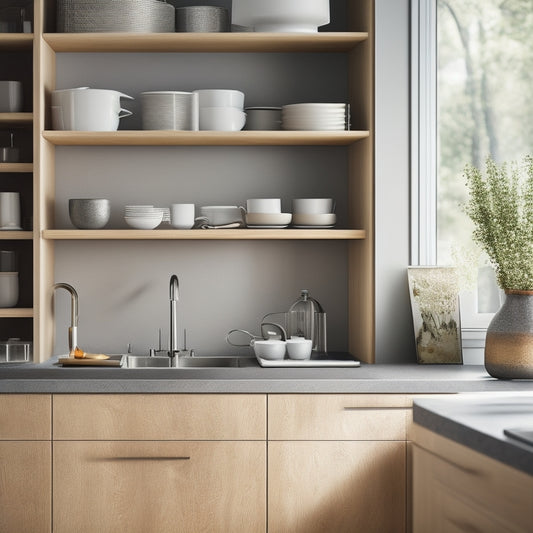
{"type": "Point", "coordinates": [25, 486]}
{"type": "Point", "coordinates": [159, 486]}
{"type": "Point", "coordinates": [25, 416]}
{"type": "Point", "coordinates": [346, 486]}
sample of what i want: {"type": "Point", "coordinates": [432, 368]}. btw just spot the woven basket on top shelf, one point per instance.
{"type": "Point", "coordinates": [141, 16]}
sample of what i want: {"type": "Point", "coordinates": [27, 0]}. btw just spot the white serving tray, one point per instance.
{"type": "Point", "coordinates": [309, 363]}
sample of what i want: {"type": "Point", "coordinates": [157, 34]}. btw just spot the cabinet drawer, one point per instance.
{"type": "Point", "coordinates": [159, 417]}
{"type": "Point", "coordinates": [477, 480]}
{"type": "Point", "coordinates": [337, 417]}
{"type": "Point", "coordinates": [25, 417]}
{"type": "Point", "coordinates": [159, 486]}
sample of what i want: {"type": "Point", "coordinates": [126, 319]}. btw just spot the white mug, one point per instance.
{"type": "Point", "coordinates": [313, 206]}
{"type": "Point", "coordinates": [263, 205]}
{"type": "Point", "coordinates": [10, 210]}
{"type": "Point", "coordinates": [182, 216]}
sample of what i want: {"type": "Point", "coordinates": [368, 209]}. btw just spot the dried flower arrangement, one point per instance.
{"type": "Point", "coordinates": [501, 207]}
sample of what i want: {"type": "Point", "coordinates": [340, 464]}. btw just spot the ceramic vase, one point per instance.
{"type": "Point", "coordinates": [509, 344]}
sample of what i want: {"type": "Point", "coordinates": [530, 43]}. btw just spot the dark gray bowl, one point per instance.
{"type": "Point", "coordinates": [89, 213]}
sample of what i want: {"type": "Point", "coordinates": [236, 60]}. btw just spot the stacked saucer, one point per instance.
{"type": "Point", "coordinates": [265, 213]}
{"type": "Point", "coordinates": [143, 216]}
{"type": "Point", "coordinates": [319, 117]}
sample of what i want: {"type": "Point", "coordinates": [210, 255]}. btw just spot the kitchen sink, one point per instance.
{"type": "Point", "coordinates": [144, 361]}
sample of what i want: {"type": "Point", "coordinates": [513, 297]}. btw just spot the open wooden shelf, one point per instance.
{"type": "Point", "coordinates": [16, 312]}
{"type": "Point", "coordinates": [16, 167]}
{"type": "Point", "coordinates": [16, 41]}
{"type": "Point", "coordinates": [204, 42]}
{"type": "Point", "coordinates": [15, 235]}
{"type": "Point", "coordinates": [202, 138]}
{"type": "Point", "coordinates": [16, 118]}
{"type": "Point", "coordinates": [216, 234]}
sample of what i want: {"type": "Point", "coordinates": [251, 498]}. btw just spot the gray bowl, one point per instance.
{"type": "Point", "coordinates": [89, 213]}
{"type": "Point", "coordinates": [202, 19]}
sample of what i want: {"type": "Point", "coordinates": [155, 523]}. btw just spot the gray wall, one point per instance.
{"type": "Point", "coordinates": [123, 286]}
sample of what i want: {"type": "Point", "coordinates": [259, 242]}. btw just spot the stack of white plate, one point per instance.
{"type": "Point", "coordinates": [318, 117]}
{"type": "Point", "coordinates": [143, 216]}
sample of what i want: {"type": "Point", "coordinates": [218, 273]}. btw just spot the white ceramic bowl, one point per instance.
{"type": "Point", "coordinates": [281, 15]}
{"type": "Point", "coordinates": [145, 222]}
{"type": "Point", "coordinates": [220, 98]}
{"type": "Point", "coordinates": [318, 219]}
{"type": "Point", "coordinates": [263, 205]}
{"type": "Point", "coordinates": [299, 348]}
{"type": "Point", "coordinates": [222, 118]}
{"type": "Point", "coordinates": [268, 219]}
{"type": "Point", "coordinates": [312, 206]}
{"type": "Point", "coordinates": [270, 349]}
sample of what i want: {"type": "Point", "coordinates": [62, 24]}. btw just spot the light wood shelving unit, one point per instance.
{"type": "Point", "coordinates": [359, 49]}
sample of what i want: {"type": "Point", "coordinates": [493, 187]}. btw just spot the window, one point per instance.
{"type": "Point", "coordinates": [472, 79]}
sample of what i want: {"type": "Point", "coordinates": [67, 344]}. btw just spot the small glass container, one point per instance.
{"type": "Point", "coordinates": [15, 350]}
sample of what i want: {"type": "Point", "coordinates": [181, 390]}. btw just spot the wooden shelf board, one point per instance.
{"type": "Point", "coordinates": [10, 235]}
{"type": "Point", "coordinates": [202, 138]}
{"type": "Point", "coordinates": [204, 42]}
{"type": "Point", "coordinates": [16, 167]}
{"type": "Point", "coordinates": [16, 41]}
{"type": "Point", "coordinates": [219, 234]}
{"type": "Point", "coordinates": [16, 312]}
{"type": "Point", "coordinates": [16, 118]}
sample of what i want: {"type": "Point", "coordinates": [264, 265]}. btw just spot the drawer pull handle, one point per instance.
{"type": "Point", "coordinates": [148, 458]}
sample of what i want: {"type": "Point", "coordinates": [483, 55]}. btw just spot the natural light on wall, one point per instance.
{"type": "Point", "coordinates": [472, 83]}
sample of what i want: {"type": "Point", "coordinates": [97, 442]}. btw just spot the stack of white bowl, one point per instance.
{"type": "Point", "coordinates": [315, 116]}
{"type": "Point", "coordinates": [221, 109]}
{"type": "Point", "coordinates": [143, 216]}
{"type": "Point", "coordinates": [313, 213]}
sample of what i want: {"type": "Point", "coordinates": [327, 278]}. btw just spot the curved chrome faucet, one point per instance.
{"type": "Point", "coordinates": [73, 329]}
{"type": "Point", "coordinates": [174, 297]}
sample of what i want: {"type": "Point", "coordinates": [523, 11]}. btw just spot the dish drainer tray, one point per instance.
{"type": "Point", "coordinates": [308, 363]}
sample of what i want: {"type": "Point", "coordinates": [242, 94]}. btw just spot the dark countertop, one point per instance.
{"type": "Point", "coordinates": [478, 421]}
{"type": "Point", "coordinates": [368, 379]}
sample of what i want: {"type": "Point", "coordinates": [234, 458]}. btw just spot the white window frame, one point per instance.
{"type": "Point", "coordinates": [424, 159]}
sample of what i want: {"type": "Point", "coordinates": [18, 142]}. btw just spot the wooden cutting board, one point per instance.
{"type": "Point", "coordinates": [114, 360]}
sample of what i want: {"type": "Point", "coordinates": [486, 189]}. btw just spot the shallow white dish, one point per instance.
{"type": "Point", "coordinates": [268, 219]}
{"type": "Point", "coordinates": [313, 227]}
{"type": "Point", "coordinates": [323, 219]}
{"type": "Point", "coordinates": [144, 222]}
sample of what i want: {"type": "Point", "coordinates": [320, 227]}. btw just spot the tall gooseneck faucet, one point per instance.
{"type": "Point", "coordinates": [174, 297]}
{"type": "Point", "coordinates": [73, 329]}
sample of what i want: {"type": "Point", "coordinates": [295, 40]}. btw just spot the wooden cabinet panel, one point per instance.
{"type": "Point", "coordinates": [160, 486]}
{"type": "Point", "coordinates": [25, 417]}
{"type": "Point", "coordinates": [455, 485]}
{"type": "Point", "coordinates": [337, 417]}
{"type": "Point", "coordinates": [336, 486]}
{"type": "Point", "coordinates": [25, 486]}
{"type": "Point", "coordinates": [160, 417]}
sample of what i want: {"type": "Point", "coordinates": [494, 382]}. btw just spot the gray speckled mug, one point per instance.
{"type": "Point", "coordinates": [89, 213]}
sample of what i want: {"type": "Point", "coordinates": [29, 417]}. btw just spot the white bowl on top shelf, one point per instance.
{"type": "Point", "coordinates": [287, 16]}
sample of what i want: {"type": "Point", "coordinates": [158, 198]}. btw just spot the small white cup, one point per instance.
{"type": "Point", "coordinates": [313, 206]}
{"type": "Point", "coordinates": [9, 289]}
{"type": "Point", "coordinates": [263, 205]}
{"type": "Point", "coordinates": [299, 348]}
{"type": "Point", "coordinates": [182, 216]}
{"type": "Point", "coordinates": [10, 210]}
{"type": "Point", "coordinates": [271, 349]}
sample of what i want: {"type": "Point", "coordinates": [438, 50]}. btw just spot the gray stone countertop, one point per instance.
{"type": "Point", "coordinates": [368, 379]}
{"type": "Point", "coordinates": [479, 421]}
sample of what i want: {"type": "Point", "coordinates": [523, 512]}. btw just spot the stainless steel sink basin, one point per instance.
{"type": "Point", "coordinates": [142, 361]}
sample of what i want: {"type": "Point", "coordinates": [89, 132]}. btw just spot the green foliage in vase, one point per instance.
{"type": "Point", "coordinates": [501, 206]}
